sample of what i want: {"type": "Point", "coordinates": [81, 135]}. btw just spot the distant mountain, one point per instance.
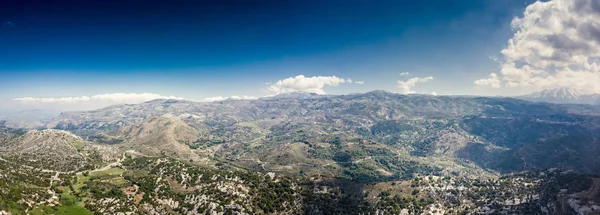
{"type": "Point", "coordinates": [32, 118]}
{"type": "Point", "coordinates": [564, 96]}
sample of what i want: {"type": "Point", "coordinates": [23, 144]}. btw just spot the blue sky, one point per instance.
{"type": "Point", "coordinates": [200, 49]}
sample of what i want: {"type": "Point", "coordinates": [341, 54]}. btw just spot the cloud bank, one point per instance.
{"type": "Point", "coordinates": [127, 98]}
{"type": "Point", "coordinates": [300, 83]}
{"type": "Point", "coordinates": [555, 44]}
{"type": "Point", "coordinates": [406, 86]}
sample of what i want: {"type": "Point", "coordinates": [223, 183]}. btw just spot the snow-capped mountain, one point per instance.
{"type": "Point", "coordinates": [564, 95]}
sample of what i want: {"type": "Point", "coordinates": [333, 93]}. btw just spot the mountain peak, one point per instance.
{"type": "Point", "coordinates": [564, 95]}
{"type": "Point", "coordinates": [379, 92]}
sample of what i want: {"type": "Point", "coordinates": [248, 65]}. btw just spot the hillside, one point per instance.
{"type": "Point", "coordinates": [161, 135]}
{"type": "Point", "coordinates": [53, 150]}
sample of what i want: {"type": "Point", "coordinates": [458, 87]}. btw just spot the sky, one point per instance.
{"type": "Point", "coordinates": [84, 54]}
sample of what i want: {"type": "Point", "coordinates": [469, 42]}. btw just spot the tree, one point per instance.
{"type": "Point", "coordinates": [415, 192]}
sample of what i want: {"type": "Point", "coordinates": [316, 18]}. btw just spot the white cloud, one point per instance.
{"type": "Point", "coordinates": [359, 82]}
{"type": "Point", "coordinates": [215, 98]}
{"type": "Point", "coordinates": [300, 83]}
{"type": "Point", "coordinates": [406, 86]}
{"type": "Point", "coordinates": [64, 100]}
{"type": "Point", "coordinates": [221, 98]}
{"type": "Point", "coordinates": [404, 74]}
{"type": "Point", "coordinates": [492, 81]}
{"type": "Point", "coordinates": [434, 93]}
{"type": "Point", "coordinates": [131, 98]}
{"type": "Point", "coordinates": [555, 44]}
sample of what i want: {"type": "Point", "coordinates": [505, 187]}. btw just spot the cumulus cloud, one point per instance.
{"type": "Point", "coordinates": [300, 83]}
{"type": "Point", "coordinates": [493, 81]}
{"type": "Point", "coordinates": [359, 82]}
{"type": "Point", "coordinates": [221, 98]}
{"type": "Point", "coordinates": [404, 74]}
{"type": "Point", "coordinates": [406, 86]}
{"type": "Point", "coordinates": [555, 44]}
{"type": "Point", "coordinates": [131, 98]}
{"type": "Point", "coordinates": [434, 93]}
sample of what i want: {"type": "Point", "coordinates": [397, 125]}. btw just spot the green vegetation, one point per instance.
{"type": "Point", "coordinates": [152, 181]}
{"type": "Point", "coordinates": [61, 210]}
{"type": "Point", "coordinates": [69, 205]}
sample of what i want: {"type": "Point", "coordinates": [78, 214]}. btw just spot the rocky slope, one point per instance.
{"type": "Point", "coordinates": [52, 149]}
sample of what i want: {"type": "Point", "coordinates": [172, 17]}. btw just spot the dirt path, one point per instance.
{"type": "Point", "coordinates": [55, 177]}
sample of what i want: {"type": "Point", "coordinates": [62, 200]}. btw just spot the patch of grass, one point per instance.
{"type": "Point", "coordinates": [137, 173]}
{"type": "Point", "coordinates": [119, 181]}
{"type": "Point", "coordinates": [107, 173]}
{"type": "Point", "coordinates": [78, 145]}
{"type": "Point", "coordinates": [30, 186]}
{"type": "Point", "coordinates": [81, 181]}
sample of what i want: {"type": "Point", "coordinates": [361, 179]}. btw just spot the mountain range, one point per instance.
{"type": "Point", "coordinates": [351, 145]}
{"type": "Point", "coordinates": [496, 134]}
